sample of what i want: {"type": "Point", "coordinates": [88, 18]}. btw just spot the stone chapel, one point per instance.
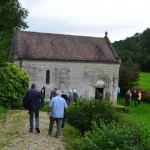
{"type": "Point", "coordinates": [67, 62]}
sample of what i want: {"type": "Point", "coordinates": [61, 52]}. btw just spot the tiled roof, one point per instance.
{"type": "Point", "coordinates": [46, 46]}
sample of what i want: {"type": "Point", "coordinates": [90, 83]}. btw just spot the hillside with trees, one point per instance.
{"type": "Point", "coordinates": [135, 49]}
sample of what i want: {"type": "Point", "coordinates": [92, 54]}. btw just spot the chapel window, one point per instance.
{"type": "Point", "coordinates": [47, 76]}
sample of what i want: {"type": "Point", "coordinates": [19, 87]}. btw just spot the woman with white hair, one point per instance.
{"type": "Point", "coordinates": [75, 95]}
{"type": "Point", "coordinates": [70, 97]}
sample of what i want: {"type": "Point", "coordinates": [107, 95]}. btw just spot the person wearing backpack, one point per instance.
{"type": "Point", "coordinates": [32, 102]}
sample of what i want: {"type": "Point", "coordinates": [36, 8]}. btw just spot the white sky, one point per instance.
{"type": "Point", "coordinates": [120, 18]}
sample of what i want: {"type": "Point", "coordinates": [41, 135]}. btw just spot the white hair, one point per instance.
{"type": "Point", "coordinates": [58, 93]}
{"type": "Point", "coordinates": [70, 91]}
{"type": "Point", "coordinates": [75, 90]}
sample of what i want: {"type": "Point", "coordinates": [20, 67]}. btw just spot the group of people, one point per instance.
{"type": "Point", "coordinates": [71, 97]}
{"type": "Point", "coordinates": [136, 95]}
{"type": "Point", "coordinates": [59, 101]}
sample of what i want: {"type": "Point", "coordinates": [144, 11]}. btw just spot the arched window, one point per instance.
{"type": "Point", "coordinates": [47, 76]}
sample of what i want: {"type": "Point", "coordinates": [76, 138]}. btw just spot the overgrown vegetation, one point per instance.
{"type": "Point", "coordinates": [102, 128]}
{"type": "Point", "coordinates": [14, 83]}
{"type": "Point", "coordinates": [113, 136]}
{"type": "Point", "coordinates": [80, 114]}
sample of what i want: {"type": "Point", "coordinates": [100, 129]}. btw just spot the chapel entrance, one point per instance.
{"type": "Point", "coordinates": [98, 93]}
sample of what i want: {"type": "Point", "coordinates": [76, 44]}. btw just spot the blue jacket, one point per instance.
{"type": "Point", "coordinates": [32, 100]}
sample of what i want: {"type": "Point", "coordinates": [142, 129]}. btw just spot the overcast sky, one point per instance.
{"type": "Point", "coordinates": [120, 18]}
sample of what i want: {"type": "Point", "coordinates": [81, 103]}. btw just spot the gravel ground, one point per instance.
{"type": "Point", "coordinates": [14, 133]}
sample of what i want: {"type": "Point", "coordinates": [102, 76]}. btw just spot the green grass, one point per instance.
{"type": "Point", "coordinates": [70, 133]}
{"type": "Point", "coordinates": [3, 111]}
{"type": "Point", "coordinates": [139, 114]}
{"type": "Point", "coordinates": [144, 80]}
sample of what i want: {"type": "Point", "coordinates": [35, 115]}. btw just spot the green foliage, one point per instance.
{"type": "Point", "coordinates": [12, 14]}
{"type": "Point", "coordinates": [81, 113]}
{"type": "Point", "coordinates": [70, 133]}
{"type": "Point", "coordinates": [146, 96]}
{"type": "Point", "coordinates": [128, 77]}
{"type": "Point", "coordinates": [45, 108]}
{"type": "Point", "coordinates": [122, 109]}
{"type": "Point", "coordinates": [5, 43]}
{"type": "Point", "coordinates": [145, 50]}
{"type": "Point", "coordinates": [114, 136]}
{"type": "Point", "coordinates": [14, 83]}
{"type": "Point", "coordinates": [139, 48]}
{"type": "Point", "coordinates": [3, 111]}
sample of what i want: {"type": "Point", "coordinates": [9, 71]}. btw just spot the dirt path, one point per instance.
{"type": "Point", "coordinates": [14, 133]}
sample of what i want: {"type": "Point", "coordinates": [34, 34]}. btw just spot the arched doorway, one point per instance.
{"type": "Point", "coordinates": [101, 84]}
{"type": "Point", "coordinates": [98, 93]}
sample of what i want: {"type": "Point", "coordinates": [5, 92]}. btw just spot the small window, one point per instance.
{"type": "Point", "coordinates": [47, 76]}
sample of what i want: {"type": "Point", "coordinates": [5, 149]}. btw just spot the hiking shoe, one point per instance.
{"type": "Point", "coordinates": [38, 130]}
{"type": "Point", "coordinates": [31, 130]}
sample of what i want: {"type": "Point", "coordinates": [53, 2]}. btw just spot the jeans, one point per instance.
{"type": "Point", "coordinates": [32, 113]}
{"type": "Point", "coordinates": [58, 122]}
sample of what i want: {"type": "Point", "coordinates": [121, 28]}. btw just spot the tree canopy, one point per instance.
{"type": "Point", "coordinates": [139, 48]}
{"type": "Point", "coordinates": [12, 14]}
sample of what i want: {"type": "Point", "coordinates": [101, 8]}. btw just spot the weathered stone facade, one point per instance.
{"type": "Point", "coordinates": [68, 62]}
{"type": "Point", "coordinates": [85, 77]}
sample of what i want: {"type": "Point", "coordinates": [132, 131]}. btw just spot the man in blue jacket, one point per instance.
{"type": "Point", "coordinates": [32, 102]}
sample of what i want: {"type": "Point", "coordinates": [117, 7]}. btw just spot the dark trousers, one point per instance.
{"type": "Point", "coordinates": [33, 113]}
{"type": "Point", "coordinates": [139, 102]}
{"type": "Point", "coordinates": [135, 102]}
{"type": "Point", "coordinates": [58, 123]}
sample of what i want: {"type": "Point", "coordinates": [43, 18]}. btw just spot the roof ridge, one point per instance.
{"type": "Point", "coordinates": [60, 34]}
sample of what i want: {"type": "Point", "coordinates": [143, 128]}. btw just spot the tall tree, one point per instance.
{"type": "Point", "coordinates": [12, 14]}
{"type": "Point", "coordinates": [145, 50]}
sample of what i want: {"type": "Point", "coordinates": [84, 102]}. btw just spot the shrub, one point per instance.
{"type": "Point", "coordinates": [122, 109]}
{"type": "Point", "coordinates": [145, 94]}
{"type": "Point", "coordinates": [114, 136]}
{"type": "Point", "coordinates": [81, 113]}
{"type": "Point", "coordinates": [14, 83]}
{"type": "Point", "coordinates": [128, 77]}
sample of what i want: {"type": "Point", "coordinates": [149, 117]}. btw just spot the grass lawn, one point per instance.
{"type": "Point", "coordinates": [139, 114]}
{"type": "Point", "coordinates": [144, 80]}
{"type": "Point", "coordinates": [2, 111]}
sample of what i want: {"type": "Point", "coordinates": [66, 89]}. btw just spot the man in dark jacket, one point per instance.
{"type": "Point", "coordinates": [32, 102]}
{"type": "Point", "coordinates": [135, 97]}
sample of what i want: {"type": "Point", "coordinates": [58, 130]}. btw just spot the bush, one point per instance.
{"type": "Point", "coordinates": [14, 83]}
{"type": "Point", "coordinates": [114, 136]}
{"type": "Point", "coordinates": [81, 113]}
{"type": "Point", "coordinates": [45, 108]}
{"type": "Point", "coordinates": [145, 94]}
{"type": "Point", "coordinates": [122, 109]}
